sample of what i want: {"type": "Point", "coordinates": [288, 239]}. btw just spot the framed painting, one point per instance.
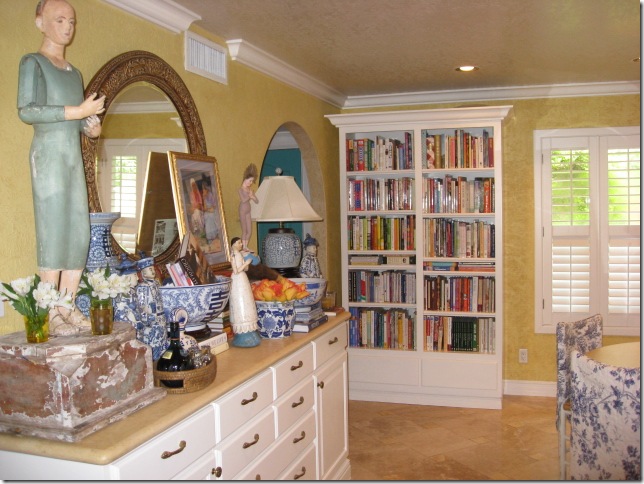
{"type": "Point", "coordinates": [198, 203]}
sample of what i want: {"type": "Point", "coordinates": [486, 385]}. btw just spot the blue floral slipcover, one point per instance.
{"type": "Point", "coordinates": [583, 335]}
{"type": "Point", "coordinates": [605, 440]}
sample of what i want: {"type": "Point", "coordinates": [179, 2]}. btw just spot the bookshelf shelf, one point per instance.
{"type": "Point", "coordinates": [425, 185]}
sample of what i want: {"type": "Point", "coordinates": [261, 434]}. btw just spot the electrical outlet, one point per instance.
{"type": "Point", "coordinates": [523, 355]}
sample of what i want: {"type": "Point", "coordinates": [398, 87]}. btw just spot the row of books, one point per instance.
{"type": "Point", "coordinates": [382, 287]}
{"type": "Point", "coordinates": [365, 154]}
{"type": "Point", "coordinates": [465, 294]}
{"type": "Point", "coordinates": [380, 194]}
{"type": "Point", "coordinates": [464, 266]}
{"type": "Point", "coordinates": [447, 333]}
{"type": "Point", "coordinates": [446, 237]}
{"type": "Point", "coordinates": [452, 194]}
{"type": "Point", "coordinates": [461, 149]}
{"type": "Point", "coordinates": [375, 328]}
{"type": "Point", "coordinates": [381, 233]}
{"type": "Point", "coordinates": [378, 260]}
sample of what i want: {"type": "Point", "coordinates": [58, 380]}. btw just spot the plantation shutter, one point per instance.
{"type": "Point", "coordinates": [588, 255]}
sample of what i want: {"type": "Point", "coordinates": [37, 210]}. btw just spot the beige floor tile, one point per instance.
{"type": "Point", "coordinates": [422, 442]}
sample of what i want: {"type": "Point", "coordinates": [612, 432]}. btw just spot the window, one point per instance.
{"type": "Point", "coordinates": [121, 176]}
{"type": "Point", "coordinates": [587, 227]}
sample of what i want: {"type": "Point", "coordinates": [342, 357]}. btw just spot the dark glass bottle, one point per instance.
{"type": "Point", "coordinates": [175, 358]}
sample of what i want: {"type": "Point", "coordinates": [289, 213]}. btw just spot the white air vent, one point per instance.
{"type": "Point", "coordinates": [205, 58]}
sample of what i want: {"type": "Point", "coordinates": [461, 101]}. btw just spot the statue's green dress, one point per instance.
{"type": "Point", "coordinates": [57, 174]}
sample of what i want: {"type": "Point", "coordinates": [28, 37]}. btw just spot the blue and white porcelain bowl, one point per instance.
{"type": "Point", "coordinates": [203, 302]}
{"type": "Point", "coordinates": [315, 286]}
{"type": "Point", "coordinates": [275, 318]}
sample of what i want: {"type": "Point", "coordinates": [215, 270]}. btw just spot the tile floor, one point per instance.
{"type": "Point", "coordinates": [417, 442]}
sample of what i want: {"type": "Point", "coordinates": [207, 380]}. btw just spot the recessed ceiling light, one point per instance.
{"type": "Point", "coordinates": [467, 68]}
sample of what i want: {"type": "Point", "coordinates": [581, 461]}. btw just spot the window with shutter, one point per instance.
{"type": "Point", "coordinates": [587, 201]}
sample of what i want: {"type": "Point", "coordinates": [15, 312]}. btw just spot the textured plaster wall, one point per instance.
{"type": "Point", "coordinates": [239, 121]}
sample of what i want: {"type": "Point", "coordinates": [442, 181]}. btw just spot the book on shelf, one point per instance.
{"type": "Point", "coordinates": [444, 266]}
{"type": "Point", "coordinates": [306, 326]}
{"type": "Point", "coordinates": [376, 260]}
{"type": "Point", "coordinates": [476, 266]}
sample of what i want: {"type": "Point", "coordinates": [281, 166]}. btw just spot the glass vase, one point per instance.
{"type": "Point", "coordinates": [37, 328]}
{"type": "Point", "coordinates": [101, 315]}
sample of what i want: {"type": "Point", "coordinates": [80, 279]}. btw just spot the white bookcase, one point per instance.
{"type": "Point", "coordinates": [423, 250]}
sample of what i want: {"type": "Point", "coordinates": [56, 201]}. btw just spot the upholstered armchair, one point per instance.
{"type": "Point", "coordinates": [605, 440]}
{"type": "Point", "coordinates": [583, 335]}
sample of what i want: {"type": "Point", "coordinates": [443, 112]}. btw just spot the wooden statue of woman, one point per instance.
{"type": "Point", "coordinates": [50, 97]}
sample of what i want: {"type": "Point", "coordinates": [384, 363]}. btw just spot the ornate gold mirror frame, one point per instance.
{"type": "Point", "coordinates": [110, 80]}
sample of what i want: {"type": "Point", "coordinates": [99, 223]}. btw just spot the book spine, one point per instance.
{"type": "Point", "coordinates": [188, 271]}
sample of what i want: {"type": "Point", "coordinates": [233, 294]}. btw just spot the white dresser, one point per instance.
{"type": "Point", "coordinates": [277, 411]}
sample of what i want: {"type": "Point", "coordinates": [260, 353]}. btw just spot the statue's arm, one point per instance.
{"type": "Point", "coordinates": [32, 95]}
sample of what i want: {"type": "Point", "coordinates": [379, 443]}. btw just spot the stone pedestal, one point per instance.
{"type": "Point", "coordinates": [72, 386]}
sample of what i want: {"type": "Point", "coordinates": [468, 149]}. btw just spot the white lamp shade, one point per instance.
{"type": "Point", "coordinates": [281, 200]}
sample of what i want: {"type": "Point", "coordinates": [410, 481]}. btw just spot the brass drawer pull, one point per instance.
{"type": "Point", "coordinates": [299, 365]}
{"type": "Point", "coordinates": [297, 476]}
{"type": "Point", "coordinates": [297, 439]}
{"type": "Point", "coordinates": [216, 471]}
{"type": "Point", "coordinates": [246, 402]}
{"type": "Point", "coordinates": [321, 384]}
{"type": "Point", "coordinates": [258, 477]}
{"type": "Point", "coordinates": [248, 444]}
{"type": "Point", "coordinates": [166, 454]}
{"type": "Point", "coordinates": [333, 341]}
{"type": "Point", "coordinates": [297, 404]}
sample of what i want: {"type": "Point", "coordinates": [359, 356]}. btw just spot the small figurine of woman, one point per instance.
{"type": "Point", "coordinates": [243, 311]}
{"type": "Point", "coordinates": [310, 267]}
{"type": "Point", "coordinates": [246, 194]}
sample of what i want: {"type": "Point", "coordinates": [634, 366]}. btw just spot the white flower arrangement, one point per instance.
{"type": "Point", "coordinates": [33, 298]}
{"type": "Point", "coordinates": [101, 285]}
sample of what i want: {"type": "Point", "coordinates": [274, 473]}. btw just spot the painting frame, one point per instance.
{"type": "Point", "coordinates": [198, 211]}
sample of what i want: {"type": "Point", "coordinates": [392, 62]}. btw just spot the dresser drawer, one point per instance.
{"type": "Point", "coordinates": [200, 470]}
{"type": "Point", "coordinates": [241, 404]}
{"type": "Point", "coordinates": [283, 452]}
{"type": "Point", "coordinates": [172, 451]}
{"type": "Point", "coordinates": [330, 344]}
{"type": "Point", "coordinates": [241, 448]}
{"type": "Point", "coordinates": [293, 369]}
{"type": "Point", "coordinates": [295, 403]}
{"type": "Point", "coordinates": [304, 468]}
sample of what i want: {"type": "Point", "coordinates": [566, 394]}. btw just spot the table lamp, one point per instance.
{"type": "Point", "coordinates": [281, 200]}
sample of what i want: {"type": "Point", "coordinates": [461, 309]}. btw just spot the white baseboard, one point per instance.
{"type": "Point", "coordinates": [530, 388]}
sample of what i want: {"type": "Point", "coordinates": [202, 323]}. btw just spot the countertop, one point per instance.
{"type": "Point", "coordinates": [234, 366]}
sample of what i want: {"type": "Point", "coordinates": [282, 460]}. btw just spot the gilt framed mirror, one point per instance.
{"type": "Point", "coordinates": [148, 112]}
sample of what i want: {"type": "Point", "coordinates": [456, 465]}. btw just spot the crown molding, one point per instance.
{"type": "Point", "coordinates": [494, 94]}
{"type": "Point", "coordinates": [268, 64]}
{"type": "Point", "coordinates": [142, 107]}
{"type": "Point", "coordinates": [176, 18]}
{"type": "Point", "coordinates": [165, 13]}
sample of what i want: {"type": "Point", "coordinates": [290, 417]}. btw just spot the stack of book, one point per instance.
{"type": "Point", "coordinates": [221, 324]}
{"type": "Point", "coordinates": [218, 343]}
{"type": "Point", "coordinates": [308, 318]}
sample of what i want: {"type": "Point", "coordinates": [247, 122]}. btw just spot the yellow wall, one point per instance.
{"type": "Point", "coordinates": [239, 121]}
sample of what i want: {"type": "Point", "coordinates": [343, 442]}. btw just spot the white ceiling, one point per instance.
{"type": "Point", "coordinates": [371, 48]}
